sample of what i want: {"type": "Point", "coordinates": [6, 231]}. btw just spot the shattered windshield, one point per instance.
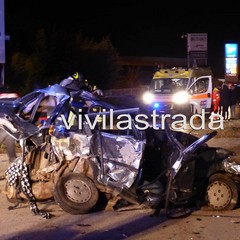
{"type": "Point", "coordinates": [168, 85]}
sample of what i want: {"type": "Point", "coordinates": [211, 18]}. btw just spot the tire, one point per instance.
{"type": "Point", "coordinates": [75, 193]}
{"type": "Point", "coordinates": [222, 192]}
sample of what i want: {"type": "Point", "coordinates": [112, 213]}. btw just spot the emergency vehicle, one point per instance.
{"type": "Point", "coordinates": [180, 90]}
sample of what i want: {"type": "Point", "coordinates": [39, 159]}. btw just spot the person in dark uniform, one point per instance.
{"type": "Point", "coordinates": [238, 92]}
{"type": "Point", "coordinates": [74, 82]}
{"type": "Point", "coordinates": [233, 100]}
{"type": "Point", "coordinates": [225, 101]}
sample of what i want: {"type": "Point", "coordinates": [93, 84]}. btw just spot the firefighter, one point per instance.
{"type": "Point", "coordinates": [87, 86]}
{"type": "Point", "coordinates": [74, 82]}
{"type": "Point", "coordinates": [225, 101]}
{"type": "Point", "coordinates": [216, 99]}
{"type": "Point", "coordinates": [96, 91]}
{"type": "Point", "coordinates": [233, 100]}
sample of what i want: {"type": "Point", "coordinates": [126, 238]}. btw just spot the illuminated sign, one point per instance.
{"type": "Point", "coordinates": [231, 59]}
{"type": "Point", "coordinates": [231, 66]}
{"type": "Point", "coordinates": [231, 50]}
{"type": "Point", "coordinates": [197, 42]}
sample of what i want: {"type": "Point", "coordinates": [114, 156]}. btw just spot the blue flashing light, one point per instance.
{"type": "Point", "coordinates": [156, 105]}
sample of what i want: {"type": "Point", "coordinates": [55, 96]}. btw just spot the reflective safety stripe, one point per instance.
{"type": "Point", "coordinates": [199, 96]}
{"type": "Point", "coordinates": [99, 119]}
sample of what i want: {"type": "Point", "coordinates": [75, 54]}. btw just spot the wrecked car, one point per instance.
{"type": "Point", "coordinates": [69, 156]}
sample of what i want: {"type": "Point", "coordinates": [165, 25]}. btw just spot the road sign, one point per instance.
{"type": "Point", "coordinates": [197, 42]}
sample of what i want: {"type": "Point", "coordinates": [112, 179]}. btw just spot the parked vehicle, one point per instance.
{"type": "Point", "coordinates": [76, 159]}
{"type": "Point", "coordinates": [7, 94]}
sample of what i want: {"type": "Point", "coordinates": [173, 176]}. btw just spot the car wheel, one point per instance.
{"type": "Point", "coordinates": [222, 192]}
{"type": "Point", "coordinates": [75, 193]}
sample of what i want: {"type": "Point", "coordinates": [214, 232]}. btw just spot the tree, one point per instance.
{"type": "Point", "coordinates": [53, 55]}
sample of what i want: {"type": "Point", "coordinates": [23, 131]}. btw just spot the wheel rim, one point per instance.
{"type": "Point", "coordinates": [219, 195]}
{"type": "Point", "coordinates": [77, 191]}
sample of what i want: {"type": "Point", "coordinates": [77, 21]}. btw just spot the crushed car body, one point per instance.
{"type": "Point", "coordinates": [68, 156]}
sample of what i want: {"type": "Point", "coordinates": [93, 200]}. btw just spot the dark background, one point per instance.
{"type": "Point", "coordinates": [146, 29]}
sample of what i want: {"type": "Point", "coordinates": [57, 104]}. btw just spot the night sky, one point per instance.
{"type": "Point", "coordinates": [136, 28]}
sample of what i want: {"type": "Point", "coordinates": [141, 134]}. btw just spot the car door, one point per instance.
{"type": "Point", "coordinates": [201, 94]}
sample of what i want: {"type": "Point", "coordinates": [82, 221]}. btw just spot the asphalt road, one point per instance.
{"type": "Point", "coordinates": [21, 224]}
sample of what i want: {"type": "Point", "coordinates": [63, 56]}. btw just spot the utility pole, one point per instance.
{"type": "Point", "coordinates": [2, 43]}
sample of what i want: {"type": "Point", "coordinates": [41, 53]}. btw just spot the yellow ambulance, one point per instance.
{"type": "Point", "coordinates": [179, 90]}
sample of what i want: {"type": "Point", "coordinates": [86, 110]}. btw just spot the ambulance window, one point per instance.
{"type": "Point", "coordinates": [158, 84]}
{"type": "Point", "coordinates": [200, 86]}
{"type": "Point", "coordinates": [181, 83]}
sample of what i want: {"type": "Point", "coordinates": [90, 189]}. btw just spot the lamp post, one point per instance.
{"type": "Point", "coordinates": [185, 36]}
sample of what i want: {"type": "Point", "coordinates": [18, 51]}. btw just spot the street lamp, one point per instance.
{"type": "Point", "coordinates": [185, 36]}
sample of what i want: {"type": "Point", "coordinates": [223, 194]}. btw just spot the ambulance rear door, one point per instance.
{"type": "Point", "coordinates": [201, 94]}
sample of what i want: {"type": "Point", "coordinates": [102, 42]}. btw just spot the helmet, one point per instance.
{"type": "Point", "coordinates": [77, 76]}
